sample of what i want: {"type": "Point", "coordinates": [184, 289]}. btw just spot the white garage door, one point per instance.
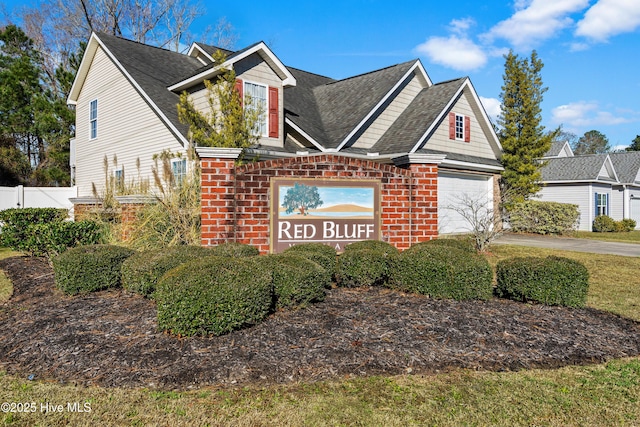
{"type": "Point", "coordinates": [635, 211]}
{"type": "Point", "coordinates": [455, 192]}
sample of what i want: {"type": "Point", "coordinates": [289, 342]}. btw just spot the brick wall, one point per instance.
{"type": "Point", "coordinates": [236, 200]}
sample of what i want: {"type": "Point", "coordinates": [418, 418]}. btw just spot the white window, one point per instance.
{"type": "Point", "coordinates": [93, 118]}
{"type": "Point", "coordinates": [601, 204]}
{"type": "Point", "coordinates": [179, 169]}
{"type": "Point", "coordinates": [257, 93]}
{"type": "Point", "coordinates": [118, 177]}
{"type": "Point", "coordinates": [459, 126]}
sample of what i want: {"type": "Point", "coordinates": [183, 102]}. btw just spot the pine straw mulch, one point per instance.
{"type": "Point", "coordinates": [110, 338]}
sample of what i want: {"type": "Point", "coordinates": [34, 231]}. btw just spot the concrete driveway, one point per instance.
{"type": "Point", "coordinates": [570, 244]}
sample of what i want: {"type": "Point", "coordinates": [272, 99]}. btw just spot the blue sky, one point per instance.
{"type": "Point", "coordinates": [590, 48]}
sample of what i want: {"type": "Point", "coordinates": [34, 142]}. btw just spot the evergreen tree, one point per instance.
{"type": "Point", "coordinates": [592, 142]}
{"type": "Point", "coordinates": [635, 144]}
{"type": "Point", "coordinates": [522, 136]}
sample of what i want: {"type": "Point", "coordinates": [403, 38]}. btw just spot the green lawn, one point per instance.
{"type": "Point", "coordinates": [629, 237]}
{"type": "Point", "coordinates": [603, 394]}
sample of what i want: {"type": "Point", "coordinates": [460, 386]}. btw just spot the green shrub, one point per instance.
{"type": "Point", "coordinates": [297, 280]}
{"type": "Point", "coordinates": [322, 254]}
{"type": "Point", "coordinates": [232, 249]}
{"type": "Point", "coordinates": [533, 216]}
{"type": "Point", "coordinates": [44, 231]}
{"type": "Point", "coordinates": [377, 245]}
{"type": "Point", "coordinates": [142, 271]}
{"type": "Point", "coordinates": [365, 267]}
{"type": "Point", "coordinates": [442, 271]}
{"type": "Point", "coordinates": [626, 225]}
{"type": "Point", "coordinates": [552, 280]}
{"type": "Point", "coordinates": [464, 244]}
{"type": "Point", "coordinates": [604, 224]}
{"type": "Point", "coordinates": [214, 295]}
{"type": "Point", "coordinates": [89, 268]}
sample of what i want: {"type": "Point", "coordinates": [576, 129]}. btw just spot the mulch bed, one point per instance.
{"type": "Point", "coordinates": [110, 338]}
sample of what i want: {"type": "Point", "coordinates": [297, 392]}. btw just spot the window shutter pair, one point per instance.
{"type": "Point", "coordinates": [274, 116]}
{"type": "Point", "coordinates": [452, 127]}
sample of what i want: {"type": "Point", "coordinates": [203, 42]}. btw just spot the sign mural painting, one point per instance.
{"type": "Point", "coordinates": [333, 212]}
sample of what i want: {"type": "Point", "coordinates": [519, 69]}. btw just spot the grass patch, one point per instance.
{"type": "Point", "coordinates": [626, 237]}
{"type": "Point", "coordinates": [613, 280]}
{"type": "Point", "coordinates": [605, 394]}
{"type": "Point", "coordinates": [6, 288]}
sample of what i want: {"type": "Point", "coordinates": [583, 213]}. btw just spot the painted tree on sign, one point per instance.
{"type": "Point", "coordinates": [302, 198]}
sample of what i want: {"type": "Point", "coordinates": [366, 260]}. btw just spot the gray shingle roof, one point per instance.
{"type": "Point", "coordinates": [555, 149]}
{"type": "Point", "coordinates": [414, 121]}
{"type": "Point", "coordinates": [577, 168]}
{"type": "Point", "coordinates": [153, 69]}
{"type": "Point", "coordinates": [627, 165]}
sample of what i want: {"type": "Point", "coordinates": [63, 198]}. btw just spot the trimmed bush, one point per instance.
{"type": "Point", "coordinates": [89, 268]}
{"type": "Point", "coordinates": [626, 224]}
{"type": "Point", "coordinates": [322, 254]}
{"type": "Point", "coordinates": [533, 216]}
{"type": "Point", "coordinates": [142, 271]}
{"type": "Point", "coordinates": [465, 244]}
{"type": "Point", "coordinates": [552, 280]}
{"type": "Point", "coordinates": [297, 280]}
{"type": "Point", "coordinates": [604, 224]}
{"type": "Point", "coordinates": [376, 245]}
{"type": "Point", "coordinates": [232, 249]}
{"type": "Point", "coordinates": [365, 267]}
{"type": "Point", "coordinates": [45, 231]}
{"type": "Point", "coordinates": [441, 271]}
{"type": "Point", "coordinates": [214, 295]}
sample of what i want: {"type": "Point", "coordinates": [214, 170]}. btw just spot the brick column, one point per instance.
{"type": "Point", "coordinates": [217, 194]}
{"type": "Point", "coordinates": [129, 208]}
{"type": "Point", "coordinates": [423, 196]}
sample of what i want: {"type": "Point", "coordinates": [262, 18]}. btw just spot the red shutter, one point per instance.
{"type": "Point", "coordinates": [452, 125]}
{"type": "Point", "coordinates": [240, 89]}
{"type": "Point", "coordinates": [274, 120]}
{"type": "Point", "coordinates": [467, 129]}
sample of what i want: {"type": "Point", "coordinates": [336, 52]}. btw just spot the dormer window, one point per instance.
{"type": "Point", "coordinates": [459, 127]}
{"type": "Point", "coordinates": [258, 95]}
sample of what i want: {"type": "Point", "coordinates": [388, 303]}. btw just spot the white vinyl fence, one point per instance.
{"type": "Point", "coordinates": [36, 197]}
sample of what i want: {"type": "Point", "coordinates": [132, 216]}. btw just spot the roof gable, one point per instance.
{"type": "Point", "coordinates": [210, 71]}
{"type": "Point", "coordinates": [627, 166]}
{"type": "Point", "coordinates": [587, 168]}
{"type": "Point", "coordinates": [559, 149]}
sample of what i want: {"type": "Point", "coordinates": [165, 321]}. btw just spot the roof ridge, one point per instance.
{"type": "Point", "coordinates": [372, 72]}
{"type": "Point", "coordinates": [102, 34]}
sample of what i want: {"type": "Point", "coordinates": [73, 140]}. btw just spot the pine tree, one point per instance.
{"type": "Point", "coordinates": [592, 142]}
{"type": "Point", "coordinates": [635, 144]}
{"type": "Point", "coordinates": [523, 138]}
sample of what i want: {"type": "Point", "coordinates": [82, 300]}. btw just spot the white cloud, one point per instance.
{"type": "Point", "coordinates": [607, 18]}
{"type": "Point", "coordinates": [587, 114]}
{"type": "Point", "coordinates": [536, 21]}
{"type": "Point", "coordinates": [459, 53]}
{"type": "Point", "coordinates": [492, 107]}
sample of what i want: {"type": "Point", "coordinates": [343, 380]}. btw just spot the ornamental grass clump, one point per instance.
{"type": "Point", "coordinates": [89, 268]}
{"type": "Point", "coordinates": [551, 281]}
{"type": "Point", "coordinates": [322, 254]}
{"type": "Point", "coordinates": [214, 295]}
{"type": "Point", "coordinates": [366, 263]}
{"type": "Point", "coordinates": [440, 271]}
{"type": "Point", "coordinates": [142, 271]}
{"type": "Point", "coordinates": [297, 281]}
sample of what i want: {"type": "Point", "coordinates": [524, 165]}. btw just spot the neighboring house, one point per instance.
{"type": "Point", "coordinates": [125, 95]}
{"type": "Point", "coordinates": [600, 184]}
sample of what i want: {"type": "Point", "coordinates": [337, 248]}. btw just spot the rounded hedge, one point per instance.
{"type": "Point", "coordinates": [89, 268]}
{"type": "Point", "coordinates": [322, 254]}
{"type": "Point", "coordinates": [297, 280]}
{"type": "Point", "coordinates": [214, 295]}
{"type": "Point", "coordinates": [604, 224]}
{"type": "Point", "coordinates": [552, 280]}
{"type": "Point", "coordinates": [232, 249]}
{"type": "Point", "coordinates": [142, 271]}
{"type": "Point", "coordinates": [465, 244]}
{"type": "Point", "coordinates": [376, 245]}
{"type": "Point", "coordinates": [365, 267]}
{"type": "Point", "coordinates": [444, 272]}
